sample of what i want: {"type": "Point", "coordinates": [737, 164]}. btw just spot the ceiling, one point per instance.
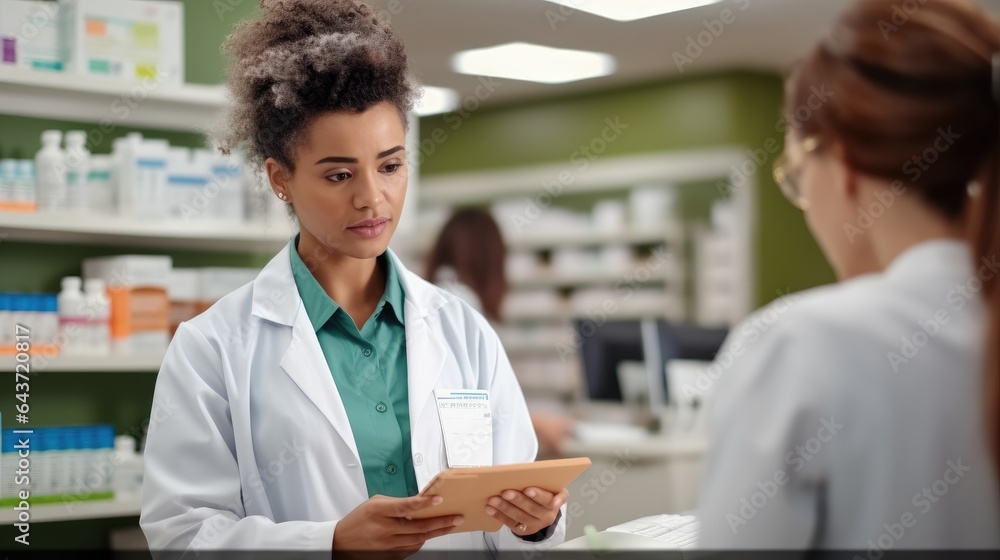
{"type": "Point", "coordinates": [766, 35]}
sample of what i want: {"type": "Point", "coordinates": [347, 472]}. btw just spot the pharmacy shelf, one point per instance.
{"type": "Point", "coordinates": [543, 241]}
{"type": "Point", "coordinates": [550, 240]}
{"type": "Point", "coordinates": [563, 316]}
{"type": "Point", "coordinates": [595, 279]}
{"type": "Point", "coordinates": [74, 511]}
{"type": "Point", "coordinates": [87, 229]}
{"type": "Point", "coordinates": [114, 363]}
{"type": "Point", "coordinates": [536, 348]}
{"type": "Point", "coordinates": [603, 175]}
{"type": "Point", "coordinates": [108, 101]}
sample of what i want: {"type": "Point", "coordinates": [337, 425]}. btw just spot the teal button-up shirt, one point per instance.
{"type": "Point", "coordinates": [369, 368]}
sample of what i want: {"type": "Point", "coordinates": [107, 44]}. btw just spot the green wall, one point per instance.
{"type": "Point", "coordinates": [732, 109]}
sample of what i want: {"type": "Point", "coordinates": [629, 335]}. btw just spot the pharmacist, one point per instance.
{"type": "Point", "coordinates": [304, 405]}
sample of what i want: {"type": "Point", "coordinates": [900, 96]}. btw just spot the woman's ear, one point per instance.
{"type": "Point", "coordinates": [278, 177]}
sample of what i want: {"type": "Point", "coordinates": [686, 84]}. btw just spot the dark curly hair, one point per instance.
{"type": "Point", "coordinates": [302, 58]}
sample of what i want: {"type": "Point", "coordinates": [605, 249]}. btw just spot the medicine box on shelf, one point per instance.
{"type": "Point", "coordinates": [134, 39]}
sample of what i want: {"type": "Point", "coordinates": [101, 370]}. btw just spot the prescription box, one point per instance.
{"type": "Point", "coordinates": [140, 308]}
{"type": "Point", "coordinates": [129, 39]}
{"type": "Point", "coordinates": [29, 35]}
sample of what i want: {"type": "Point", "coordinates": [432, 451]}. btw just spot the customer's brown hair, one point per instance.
{"type": "Point", "coordinates": [471, 243]}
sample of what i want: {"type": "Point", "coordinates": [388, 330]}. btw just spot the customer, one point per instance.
{"type": "Point", "coordinates": [858, 421]}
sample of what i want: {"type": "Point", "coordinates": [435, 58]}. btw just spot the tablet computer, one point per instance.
{"type": "Point", "coordinates": [466, 490]}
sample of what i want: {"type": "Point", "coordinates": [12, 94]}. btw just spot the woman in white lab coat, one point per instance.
{"type": "Point", "coordinates": [299, 412]}
{"type": "Point", "coordinates": [855, 417]}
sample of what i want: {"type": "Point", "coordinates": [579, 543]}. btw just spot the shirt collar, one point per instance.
{"type": "Point", "coordinates": [321, 307]}
{"type": "Point", "coordinates": [937, 256]}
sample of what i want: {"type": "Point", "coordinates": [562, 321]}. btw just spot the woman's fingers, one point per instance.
{"type": "Point", "coordinates": [416, 540]}
{"type": "Point", "coordinates": [401, 507]}
{"type": "Point", "coordinates": [524, 503]}
{"type": "Point", "coordinates": [421, 526]}
{"type": "Point", "coordinates": [507, 519]}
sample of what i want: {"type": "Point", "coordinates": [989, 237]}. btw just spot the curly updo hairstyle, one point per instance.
{"type": "Point", "coordinates": [299, 59]}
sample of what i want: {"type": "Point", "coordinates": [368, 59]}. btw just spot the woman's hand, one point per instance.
{"type": "Point", "coordinates": [527, 512]}
{"type": "Point", "coordinates": [382, 524]}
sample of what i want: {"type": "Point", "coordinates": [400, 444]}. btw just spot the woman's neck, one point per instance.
{"type": "Point", "coordinates": [355, 284]}
{"type": "Point", "coordinates": [910, 222]}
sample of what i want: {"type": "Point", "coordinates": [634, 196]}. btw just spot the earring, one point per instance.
{"type": "Point", "coordinates": [282, 196]}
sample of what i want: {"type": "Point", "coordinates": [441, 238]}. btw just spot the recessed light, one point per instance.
{"type": "Point", "coordinates": [533, 63]}
{"type": "Point", "coordinates": [436, 100]}
{"type": "Point", "coordinates": [631, 10]}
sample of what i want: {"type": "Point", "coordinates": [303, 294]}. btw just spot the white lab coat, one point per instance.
{"type": "Point", "coordinates": [249, 445]}
{"type": "Point", "coordinates": [826, 427]}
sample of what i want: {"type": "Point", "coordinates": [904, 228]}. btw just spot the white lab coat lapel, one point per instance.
{"type": "Point", "coordinates": [303, 360]}
{"type": "Point", "coordinates": [425, 352]}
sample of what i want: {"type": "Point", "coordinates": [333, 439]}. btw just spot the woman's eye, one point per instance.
{"type": "Point", "coordinates": [392, 167]}
{"type": "Point", "coordinates": [338, 177]}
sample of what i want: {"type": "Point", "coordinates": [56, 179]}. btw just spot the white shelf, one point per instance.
{"type": "Point", "coordinates": [119, 230]}
{"type": "Point", "coordinates": [73, 511]}
{"type": "Point", "coordinates": [94, 99]}
{"type": "Point", "coordinates": [547, 241]}
{"type": "Point", "coordinates": [597, 279]}
{"type": "Point", "coordinates": [537, 348]}
{"type": "Point", "coordinates": [595, 239]}
{"type": "Point", "coordinates": [609, 174]}
{"type": "Point", "coordinates": [567, 316]}
{"type": "Point", "coordinates": [61, 363]}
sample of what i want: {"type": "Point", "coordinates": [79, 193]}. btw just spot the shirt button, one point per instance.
{"type": "Point", "coordinates": [380, 407]}
{"type": "Point", "coordinates": [391, 469]}
{"type": "Point", "coordinates": [418, 459]}
{"type": "Point", "coordinates": [367, 352]}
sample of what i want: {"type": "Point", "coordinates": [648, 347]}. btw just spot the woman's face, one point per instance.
{"type": "Point", "coordinates": [349, 182]}
{"type": "Point", "coordinates": [829, 198]}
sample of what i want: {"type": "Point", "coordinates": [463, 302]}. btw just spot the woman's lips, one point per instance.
{"type": "Point", "coordinates": [369, 229]}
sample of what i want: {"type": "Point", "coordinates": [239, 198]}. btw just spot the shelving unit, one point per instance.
{"type": "Point", "coordinates": [119, 230]}
{"type": "Point", "coordinates": [594, 279]}
{"type": "Point", "coordinates": [56, 95]}
{"type": "Point", "coordinates": [45, 513]}
{"type": "Point", "coordinates": [565, 315]}
{"type": "Point", "coordinates": [84, 364]}
{"type": "Point", "coordinates": [611, 177]}
{"type": "Point", "coordinates": [668, 234]}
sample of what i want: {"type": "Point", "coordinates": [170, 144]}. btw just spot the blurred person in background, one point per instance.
{"type": "Point", "coordinates": [469, 260]}
{"type": "Point", "coordinates": [858, 421]}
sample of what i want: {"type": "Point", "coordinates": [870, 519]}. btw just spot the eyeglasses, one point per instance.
{"type": "Point", "coordinates": [789, 177]}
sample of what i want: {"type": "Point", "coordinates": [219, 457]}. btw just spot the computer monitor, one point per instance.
{"type": "Point", "coordinates": [604, 347]}
{"type": "Point", "coordinates": [652, 341]}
